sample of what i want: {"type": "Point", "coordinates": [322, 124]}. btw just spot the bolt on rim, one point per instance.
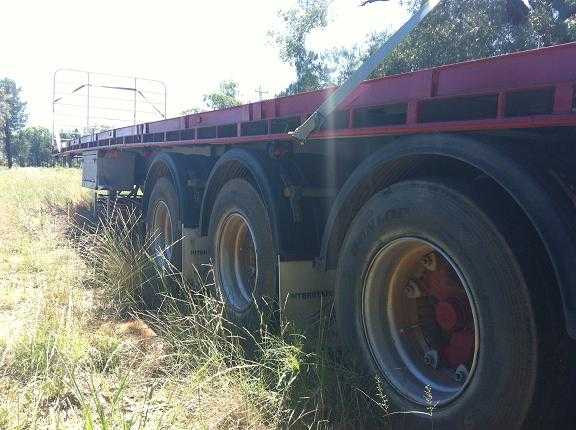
{"type": "Point", "coordinates": [162, 229]}
{"type": "Point", "coordinates": [420, 321]}
{"type": "Point", "coordinates": [237, 261]}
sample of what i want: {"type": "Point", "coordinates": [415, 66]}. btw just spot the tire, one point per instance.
{"type": "Point", "coordinates": [164, 210]}
{"type": "Point", "coordinates": [245, 254]}
{"type": "Point", "coordinates": [417, 231]}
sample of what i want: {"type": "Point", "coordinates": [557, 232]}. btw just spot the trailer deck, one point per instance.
{"type": "Point", "coordinates": [529, 89]}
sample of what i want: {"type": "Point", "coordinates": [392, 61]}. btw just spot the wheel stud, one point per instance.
{"type": "Point", "coordinates": [429, 262]}
{"type": "Point", "coordinates": [412, 290]}
{"type": "Point", "coordinates": [431, 358]}
{"type": "Point", "coordinates": [461, 374]}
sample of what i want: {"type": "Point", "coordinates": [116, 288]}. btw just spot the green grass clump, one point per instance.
{"type": "Point", "coordinates": [94, 335]}
{"type": "Point", "coordinates": [281, 377]}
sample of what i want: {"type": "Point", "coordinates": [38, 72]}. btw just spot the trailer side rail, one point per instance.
{"type": "Point", "coordinates": [523, 90]}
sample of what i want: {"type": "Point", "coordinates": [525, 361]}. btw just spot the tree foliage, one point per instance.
{"type": "Point", "coordinates": [226, 96]}
{"type": "Point", "coordinates": [458, 30]}
{"type": "Point", "coordinates": [34, 147]}
{"type": "Point", "coordinates": [3, 112]}
{"type": "Point", "coordinates": [12, 117]}
{"type": "Point", "coordinates": [190, 111]}
{"type": "Point", "coordinates": [312, 68]}
{"type": "Point", "coordinates": [462, 30]}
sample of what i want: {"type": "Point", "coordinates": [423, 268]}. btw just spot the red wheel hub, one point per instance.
{"type": "Point", "coordinates": [446, 316]}
{"type": "Point", "coordinates": [452, 314]}
{"type": "Point", "coordinates": [460, 349]}
{"type": "Point", "coordinates": [440, 283]}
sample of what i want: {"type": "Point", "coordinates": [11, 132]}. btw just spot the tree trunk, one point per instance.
{"type": "Point", "coordinates": [8, 147]}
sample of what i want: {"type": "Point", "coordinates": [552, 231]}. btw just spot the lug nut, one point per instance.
{"type": "Point", "coordinates": [429, 262]}
{"type": "Point", "coordinates": [431, 358]}
{"type": "Point", "coordinates": [412, 290]}
{"type": "Point", "coordinates": [461, 374]}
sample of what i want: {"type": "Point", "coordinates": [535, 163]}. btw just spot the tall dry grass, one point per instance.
{"type": "Point", "coordinates": [270, 377]}
{"type": "Point", "coordinates": [93, 334]}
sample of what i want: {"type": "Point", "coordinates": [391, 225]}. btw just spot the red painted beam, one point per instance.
{"type": "Point", "coordinates": [548, 67]}
{"type": "Point", "coordinates": [541, 121]}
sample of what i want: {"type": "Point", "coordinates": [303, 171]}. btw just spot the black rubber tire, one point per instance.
{"type": "Point", "coordinates": [164, 191]}
{"type": "Point", "coordinates": [239, 196]}
{"type": "Point", "coordinates": [514, 385]}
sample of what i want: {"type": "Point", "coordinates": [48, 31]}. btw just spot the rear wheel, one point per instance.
{"type": "Point", "coordinates": [245, 254]}
{"type": "Point", "coordinates": [437, 304]}
{"type": "Point", "coordinates": [416, 299]}
{"type": "Point", "coordinates": [163, 225]}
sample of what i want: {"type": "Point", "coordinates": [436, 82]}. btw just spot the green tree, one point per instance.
{"type": "Point", "coordinates": [462, 30]}
{"type": "Point", "coordinates": [3, 111]}
{"type": "Point", "coordinates": [13, 117]}
{"type": "Point", "coordinates": [312, 68]}
{"type": "Point", "coordinates": [35, 145]}
{"type": "Point", "coordinates": [226, 96]}
{"type": "Point", "coordinates": [458, 30]}
{"type": "Point", "coordinates": [190, 111]}
{"type": "Point", "coordinates": [97, 128]}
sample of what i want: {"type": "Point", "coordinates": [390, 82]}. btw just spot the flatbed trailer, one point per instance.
{"type": "Point", "coordinates": [435, 209]}
{"type": "Point", "coordinates": [526, 90]}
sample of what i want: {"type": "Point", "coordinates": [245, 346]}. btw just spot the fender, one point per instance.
{"type": "Point", "coordinates": [270, 177]}
{"type": "Point", "coordinates": [186, 173]}
{"type": "Point", "coordinates": [542, 202]}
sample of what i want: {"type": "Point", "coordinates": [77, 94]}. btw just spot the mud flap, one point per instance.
{"type": "Point", "coordinates": [305, 294]}
{"type": "Point", "coordinates": [196, 264]}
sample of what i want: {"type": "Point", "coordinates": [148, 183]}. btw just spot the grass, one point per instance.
{"type": "Point", "coordinates": [93, 335]}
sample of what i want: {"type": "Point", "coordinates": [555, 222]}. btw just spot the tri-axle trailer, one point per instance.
{"type": "Point", "coordinates": [436, 208]}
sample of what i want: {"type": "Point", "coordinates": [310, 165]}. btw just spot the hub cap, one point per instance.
{"type": "Point", "coordinates": [237, 261]}
{"type": "Point", "coordinates": [162, 229]}
{"type": "Point", "coordinates": [419, 320]}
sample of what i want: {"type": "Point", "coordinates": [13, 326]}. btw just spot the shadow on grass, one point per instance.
{"type": "Point", "coordinates": [77, 216]}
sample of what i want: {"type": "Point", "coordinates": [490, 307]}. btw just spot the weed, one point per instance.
{"type": "Point", "coordinates": [94, 334]}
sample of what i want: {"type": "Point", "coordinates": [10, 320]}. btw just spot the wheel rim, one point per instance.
{"type": "Point", "coordinates": [237, 261]}
{"type": "Point", "coordinates": [420, 321]}
{"type": "Point", "coordinates": [162, 228]}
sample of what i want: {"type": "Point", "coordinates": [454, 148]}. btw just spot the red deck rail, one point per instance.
{"type": "Point", "coordinates": [527, 89]}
